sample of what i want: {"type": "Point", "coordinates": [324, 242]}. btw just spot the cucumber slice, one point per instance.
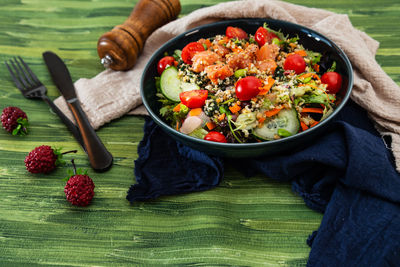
{"type": "Point", "coordinates": [189, 86]}
{"type": "Point", "coordinates": [286, 119]}
{"type": "Point", "coordinates": [170, 84]}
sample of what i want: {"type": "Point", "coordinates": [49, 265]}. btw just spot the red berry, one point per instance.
{"type": "Point", "coordinates": [14, 120]}
{"type": "Point", "coordinates": [41, 160]}
{"type": "Point", "coordinates": [44, 159]}
{"type": "Point", "coordinates": [79, 190]}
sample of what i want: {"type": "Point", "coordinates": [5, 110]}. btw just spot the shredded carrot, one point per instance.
{"type": "Point", "coordinates": [302, 53]}
{"type": "Point", "coordinates": [177, 108]}
{"type": "Point", "coordinates": [175, 63]}
{"type": "Point", "coordinates": [316, 67]}
{"type": "Point", "coordinates": [312, 110]}
{"type": "Point", "coordinates": [237, 50]}
{"type": "Point", "coordinates": [303, 126]}
{"type": "Point", "coordinates": [309, 74]}
{"type": "Point", "coordinates": [315, 123]}
{"type": "Point", "coordinates": [265, 89]}
{"type": "Point", "coordinates": [235, 108]}
{"type": "Point", "coordinates": [177, 125]}
{"type": "Point", "coordinates": [292, 45]}
{"type": "Point", "coordinates": [223, 40]}
{"type": "Point", "coordinates": [272, 112]}
{"type": "Point", "coordinates": [261, 122]}
{"type": "Point", "coordinates": [315, 76]}
{"type": "Point", "coordinates": [305, 75]}
{"type": "Point", "coordinates": [211, 125]}
{"type": "Point", "coordinates": [195, 112]}
{"type": "Point", "coordinates": [254, 99]}
{"type": "Point", "coordinates": [205, 42]}
{"type": "Point", "coordinates": [221, 117]}
{"type": "Point", "coordinates": [208, 43]}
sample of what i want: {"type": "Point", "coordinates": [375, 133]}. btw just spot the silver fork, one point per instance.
{"type": "Point", "coordinates": [31, 88]}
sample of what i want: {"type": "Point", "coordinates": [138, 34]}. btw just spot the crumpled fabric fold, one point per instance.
{"type": "Point", "coordinates": [347, 173]}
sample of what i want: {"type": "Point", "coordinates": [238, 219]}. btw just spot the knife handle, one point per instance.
{"type": "Point", "coordinates": [119, 48]}
{"type": "Point", "coordinates": [99, 157]}
{"type": "Point", "coordinates": [71, 127]}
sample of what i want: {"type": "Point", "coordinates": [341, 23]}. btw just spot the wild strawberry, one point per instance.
{"type": "Point", "coordinates": [44, 159]}
{"type": "Point", "coordinates": [14, 121]}
{"type": "Point", "coordinates": [79, 189]}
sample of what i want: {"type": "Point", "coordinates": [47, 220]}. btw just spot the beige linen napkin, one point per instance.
{"type": "Point", "coordinates": [112, 94]}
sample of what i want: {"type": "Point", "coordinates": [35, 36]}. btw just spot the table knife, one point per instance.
{"type": "Point", "coordinates": [99, 157]}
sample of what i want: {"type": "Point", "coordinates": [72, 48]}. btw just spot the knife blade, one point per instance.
{"type": "Point", "coordinates": [99, 157]}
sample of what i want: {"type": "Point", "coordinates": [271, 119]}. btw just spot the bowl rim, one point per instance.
{"type": "Point", "coordinates": [189, 138]}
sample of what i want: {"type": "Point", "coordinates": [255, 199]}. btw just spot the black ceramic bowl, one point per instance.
{"type": "Point", "coordinates": [308, 38]}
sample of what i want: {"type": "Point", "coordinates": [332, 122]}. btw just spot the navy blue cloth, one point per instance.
{"type": "Point", "coordinates": [348, 174]}
{"type": "Point", "coordinates": [165, 167]}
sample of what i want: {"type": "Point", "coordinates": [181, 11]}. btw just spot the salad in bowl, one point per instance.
{"type": "Point", "coordinates": [246, 87]}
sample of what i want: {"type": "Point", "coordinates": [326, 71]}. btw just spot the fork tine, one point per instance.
{"type": "Point", "coordinates": [18, 74]}
{"type": "Point", "coordinates": [15, 79]}
{"type": "Point", "coordinates": [34, 77]}
{"type": "Point", "coordinates": [28, 79]}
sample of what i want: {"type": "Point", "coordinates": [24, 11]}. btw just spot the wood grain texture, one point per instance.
{"type": "Point", "coordinates": [124, 42]}
{"type": "Point", "coordinates": [244, 222]}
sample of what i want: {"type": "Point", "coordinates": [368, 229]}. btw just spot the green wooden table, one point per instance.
{"type": "Point", "coordinates": [244, 221]}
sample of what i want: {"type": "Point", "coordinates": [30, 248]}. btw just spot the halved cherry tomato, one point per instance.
{"type": "Point", "coordinates": [295, 62]}
{"type": "Point", "coordinates": [164, 63]}
{"type": "Point", "coordinates": [190, 50]}
{"type": "Point", "coordinates": [247, 88]}
{"type": "Point", "coordinates": [194, 98]}
{"type": "Point", "coordinates": [333, 80]}
{"type": "Point", "coordinates": [215, 137]}
{"type": "Point", "coordinates": [264, 36]}
{"type": "Point", "coordinates": [235, 32]}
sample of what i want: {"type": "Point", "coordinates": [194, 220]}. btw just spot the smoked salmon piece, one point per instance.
{"type": "Point", "coordinates": [220, 50]}
{"type": "Point", "coordinates": [242, 59]}
{"type": "Point", "coordinates": [267, 66]}
{"type": "Point", "coordinates": [218, 71]}
{"type": "Point", "coordinates": [267, 51]}
{"type": "Point", "coordinates": [203, 59]}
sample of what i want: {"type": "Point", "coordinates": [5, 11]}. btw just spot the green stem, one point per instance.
{"type": "Point", "coordinates": [73, 165]}
{"type": "Point", "coordinates": [233, 132]}
{"type": "Point", "coordinates": [71, 151]}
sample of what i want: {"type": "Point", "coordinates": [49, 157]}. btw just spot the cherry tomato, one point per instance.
{"type": "Point", "coordinates": [295, 62]}
{"type": "Point", "coordinates": [190, 50]}
{"type": "Point", "coordinates": [264, 36]}
{"type": "Point", "coordinates": [194, 98]}
{"type": "Point", "coordinates": [247, 88]}
{"type": "Point", "coordinates": [215, 137]}
{"type": "Point", "coordinates": [164, 63]}
{"type": "Point", "coordinates": [235, 32]}
{"type": "Point", "coordinates": [333, 80]}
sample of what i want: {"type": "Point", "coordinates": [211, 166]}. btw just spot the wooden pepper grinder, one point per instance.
{"type": "Point", "coordinates": [120, 47]}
